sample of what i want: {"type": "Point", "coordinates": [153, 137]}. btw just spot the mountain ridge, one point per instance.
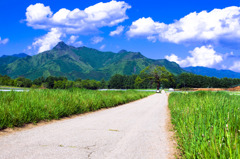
{"type": "Point", "coordinates": [83, 62]}
{"type": "Point", "coordinates": [7, 59]}
{"type": "Point", "coordinates": [211, 72]}
{"type": "Point", "coordinates": [21, 55]}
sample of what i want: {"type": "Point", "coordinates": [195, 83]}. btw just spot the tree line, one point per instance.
{"type": "Point", "coordinates": [151, 77]}
{"type": "Point", "coordinates": [50, 82]}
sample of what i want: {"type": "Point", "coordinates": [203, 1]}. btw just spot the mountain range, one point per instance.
{"type": "Point", "coordinates": [211, 72]}
{"type": "Point", "coordinates": [6, 59]}
{"type": "Point", "coordinates": [88, 63]}
{"type": "Point", "coordinates": [81, 62]}
{"type": "Point", "coordinates": [20, 55]}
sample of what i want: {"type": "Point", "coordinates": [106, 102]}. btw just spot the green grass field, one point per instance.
{"type": "Point", "coordinates": [234, 93]}
{"type": "Point", "coordinates": [207, 124]}
{"type": "Point", "coordinates": [19, 108]}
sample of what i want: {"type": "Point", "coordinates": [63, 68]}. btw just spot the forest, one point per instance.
{"type": "Point", "coordinates": [144, 80]}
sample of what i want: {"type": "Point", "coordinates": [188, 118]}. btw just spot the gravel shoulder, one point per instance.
{"type": "Point", "coordinates": [138, 130]}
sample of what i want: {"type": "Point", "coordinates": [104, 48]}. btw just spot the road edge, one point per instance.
{"type": "Point", "coordinates": [171, 135]}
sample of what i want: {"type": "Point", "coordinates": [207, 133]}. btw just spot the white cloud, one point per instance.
{"type": "Point", "coordinates": [4, 41]}
{"type": "Point", "coordinates": [38, 16]}
{"type": "Point", "coordinates": [204, 56]}
{"type": "Point", "coordinates": [173, 58]}
{"type": "Point", "coordinates": [78, 44]}
{"type": "Point", "coordinates": [102, 47]}
{"type": "Point", "coordinates": [145, 27]}
{"type": "Point", "coordinates": [118, 31]}
{"type": "Point", "coordinates": [97, 39]}
{"type": "Point", "coordinates": [217, 25]}
{"type": "Point", "coordinates": [109, 14]}
{"type": "Point", "coordinates": [152, 38]}
{"type": "Point", "coordinates": [73, 41]}
{"type": "Point", "coordinates": [236, 66]}
{"type": "Point", "coordinates": [48, 41]}
{"type": "Point", "coordinates": [78, 21]}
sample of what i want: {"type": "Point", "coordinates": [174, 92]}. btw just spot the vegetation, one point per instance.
{"type": "Point", "coordinates": [156, 75]}
{"type": "Point", "coordinates": [145, 80]}
{"type": "Point", "coordinates": [122, 82]}
{"type": "Point", "coordinates": [207, 124]}
{"type": "Point", "coordinates": [18, 108]}
{"type": "Point", "coordinates": [69, 64]}
{"type": "Point", "coordinates": [197, 81]}
{"type": "Point", "coordinates": [82, 62]}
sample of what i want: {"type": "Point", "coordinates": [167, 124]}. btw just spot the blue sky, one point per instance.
{"type": "Point", "coordinates": [191, 33]}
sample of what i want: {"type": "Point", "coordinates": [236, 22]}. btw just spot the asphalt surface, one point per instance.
{"type": "Point", "coordinates": [132, 131]}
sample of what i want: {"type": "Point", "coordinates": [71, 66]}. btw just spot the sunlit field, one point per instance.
{"type": "Point", "coordinates": [207, 124]}
{"type": "Point", "coordinates": [19, 108]}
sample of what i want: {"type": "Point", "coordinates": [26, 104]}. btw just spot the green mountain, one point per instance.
{"type": "Point", "coordinates": [82, 62]}
{"type": "Point", "coordinates": [6, 59]}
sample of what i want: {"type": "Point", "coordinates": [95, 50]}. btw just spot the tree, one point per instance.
{"type": "Point", "coordinates": [156, 74]}
{"type": "Point", "coordinates": [6, 80]}
{"type": "Point", "coordinates": [78, 84]}
{"type": "Point", "coordinates": [116, 81]}
{"type": "Point", "coordinates": [103, 84]}
{"type": "Point", "coordinates": [50, 81]}
{"type": "Point", "coordinates": [69, 84]}
{"type": "Point", "coordinates": [22, 82]}
{"type": "Point", "coordinates": [90, 84]}
{"type": "Point", "coordinates": [39, 81]}
{"type": "Point", "coordinates": [138, 82]}
{"type": "Point", "coordinates": [130, 81]}
{"type": "Point", "coordinates": [171, 83]}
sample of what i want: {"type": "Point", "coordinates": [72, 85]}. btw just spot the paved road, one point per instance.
{"type": "Point", "coordinates": [132, 131]}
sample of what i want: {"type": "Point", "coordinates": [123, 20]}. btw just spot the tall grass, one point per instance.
{"type": "Point", "coordinates": [18, 108]}
{"type": "Point", "coordinates": [207, 124]}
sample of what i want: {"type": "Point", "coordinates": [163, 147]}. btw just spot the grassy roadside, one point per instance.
{"type": "Point", "coordinates": [19, 108]}
{"type": "Point", "coordinates": [207, 124]}
{"type": "Point", "coordinates": [12, 87]}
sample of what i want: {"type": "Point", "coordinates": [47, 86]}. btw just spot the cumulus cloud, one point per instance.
{"type": "Point", "coordinates": [38, 16]}
{"type": "Point", "coordinates": [236, 66]}
{"type": "Point", "coordinates": [72, 22]}
{"type": "Point", "coordinates": [78, 44]}
{"type": "Point", "coordinates": [48, 41]}
{"type": "Point", "coordinates": [118, 31]}
{"type": "Point", "coordinates": [214, 26]}
{"type": "Point", "coordinates": [4, 41]}
{"type": "Point", "coordinates": [204, 56]}
{"type": "Point", "coordinates": [73, 41]}
{"type": "Point", "coordinates": [97, 39]}
{"type": "Point", "coordinates": [145, 27]}
{"type": "Point", "coordinates": [78, 21]}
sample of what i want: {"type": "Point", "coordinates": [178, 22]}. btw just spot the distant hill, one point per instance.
{"type": "Point", "coordinates": [83, 62]}
{"type": "Point", "coordinates": [6, 59]}
{"type": "Point", "coordinates": [212, 72]}
{"type": "Point", "coordinates": [20, 55]}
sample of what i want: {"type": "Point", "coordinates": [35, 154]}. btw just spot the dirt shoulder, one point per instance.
{"type": "Point", "coordinates": [174, 151]}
